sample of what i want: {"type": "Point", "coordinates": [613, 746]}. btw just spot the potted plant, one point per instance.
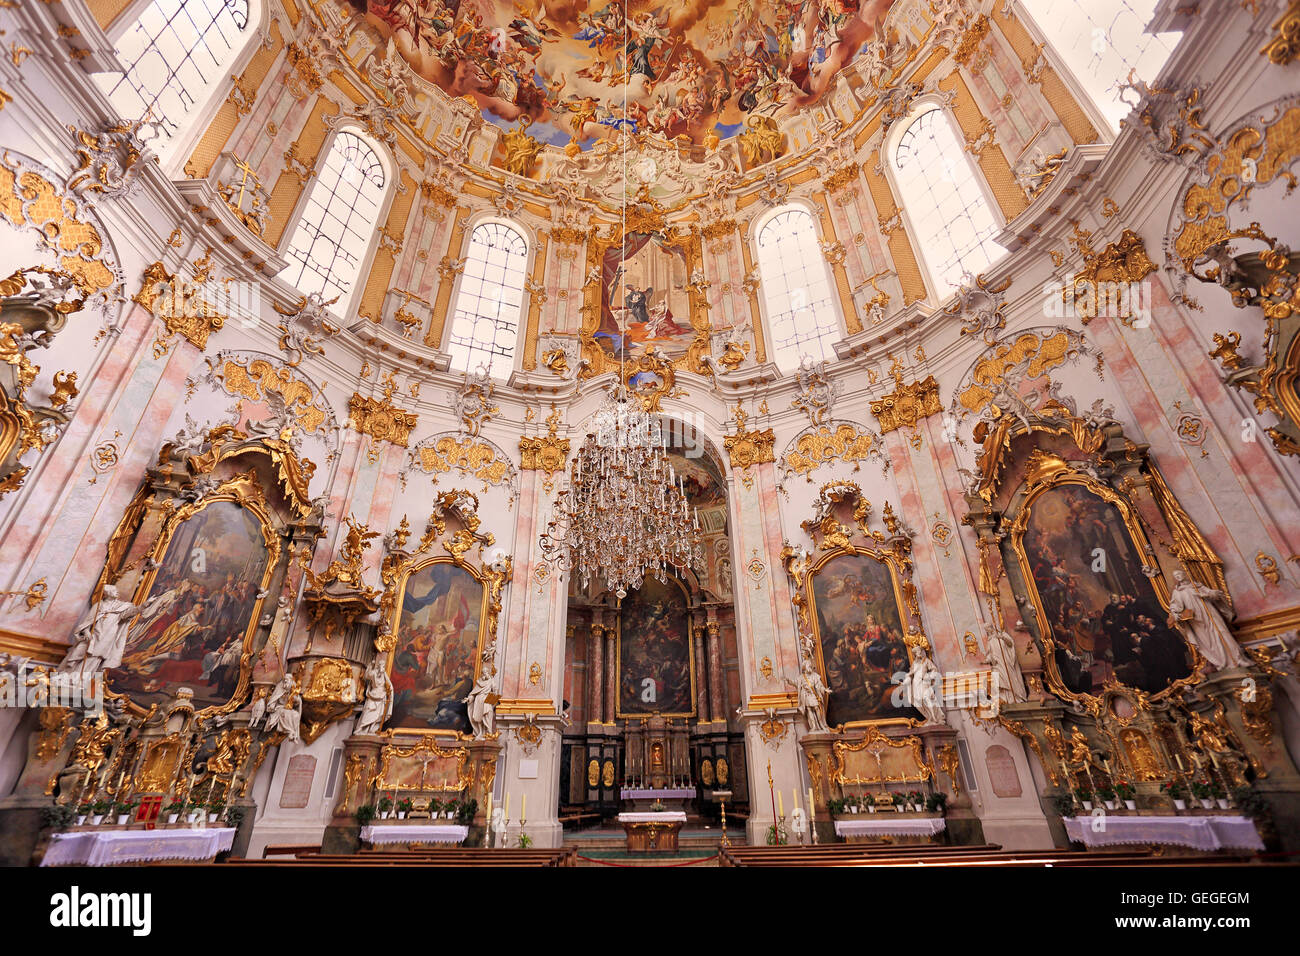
{"type": "Point", "coordinates": [835, 807]}
{"type": "Point", "coordinates": [869, 802]}
{"type": "Point", "coordinates": [385, 807]}
{"type": "Point", "coordinates": [1084, 796]}
{"type": "Point", "coordinates": [1107, 794]}
{"type": "Point", "coordinates": [98, 810]}
{"type": "Point", "coordinates": [916, 799]}
{"type": "Point", "coordinates": [658, 807]}
{"type": "Point", "coordinates": [1250, 803]}
{"type": "Point", "coordinates": [1176, 792]}
{"type": "Point", "coordinates": [465, 811]}
{"type": "Point", "coordinates": [435, 807]}
{"type": "Point", "coordinates": [1203, 792]}
{"type": "Point", "coordinates": [122, 809]}
{"type": "Point", "coordinates": [234, 816]}
{"type": "Point", "coordinates": [195, 810]}
{"type": "Point", "coordinates": [83, 811]}
{"type": "Point", "coordinates": [525, 841]}
{"type": "Point", "coordinates": [1128, 793]}
{"type": "Point", "coordinates": [1063, 804]}
{"type": "Point", "coordinates": [1220, 797]}
{"type": "Point", "coordinates": [173, 810]}
{"type": "Point", "coordinates": [215, 809]}
{"type": "Point", "coordinates": [365, 815]}
{"type": "Point", "coordinates": [58, 817]}
{"type": "Point", "coordinates": [936, 802]}
{"type": "Point", "coordinates": [404, 806]}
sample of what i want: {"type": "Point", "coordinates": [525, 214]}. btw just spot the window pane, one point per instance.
{"type": "Point", "coordinates": [797, 289]}
{"type": "Point", "coordinates": [1101, 41]}
{"type": "Point", "coordinates": [486, 323]}
{"type": "Point", "coordinates": [338, 220]}
{"type": "Point", "coordinates": [943, 199]}
{"type": "Point", "coordinates": [178, 51]}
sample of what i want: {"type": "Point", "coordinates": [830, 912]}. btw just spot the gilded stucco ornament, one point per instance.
{"type": "Point", "coordinates": [109, 158]}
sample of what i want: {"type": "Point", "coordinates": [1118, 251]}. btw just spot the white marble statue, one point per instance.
{"type": "Point", "coordinates": [812, 698]}
{"type": "Point", "coordinates": [1002, 658]}
{"type": "Point", "coordinates": [378, 703]}
{"type": "Point", "coordinates": [284, 708]}
{"type": "Point", "coordinates": [482, 709]}
{"type": "Point", "coordinates": [925, 687]}
{"type": "Point", "coordinates": [100, 636]}
{"type": "Point", "coordinates": [1194, 610]}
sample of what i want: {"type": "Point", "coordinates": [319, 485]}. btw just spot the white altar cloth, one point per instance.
{"type": "Point", "coordinates": [890, 824]}
{"type": "Point", "coordinates": [663, 793]}
{"type": "Point", "coordinates": [1199, 832]}
{"type": "Point", "coordinates": [414, 833]}
{"type": "Point", "coordinates": [110, 847]}
{"type": "Point", "coordinates": [667, 816]}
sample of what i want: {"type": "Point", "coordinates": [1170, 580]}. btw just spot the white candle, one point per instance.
{"type": "Point", "coordinates": [523, 806]}
{"type": "Point", "coordinates": [489, 807]}
{"type": "Point", "coordinates": [507, 805]}
{"type": "Point", "coordinates": [794, 792]}
{"type": "Point", "coordinates": [811, 803]}
{"type": "Point", "coordinates": [780, 804]}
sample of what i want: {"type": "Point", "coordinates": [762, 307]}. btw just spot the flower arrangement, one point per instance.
{"type": "Point", "coordinates": [525, 841]}
{"type": "Point", "coordinates": [915, 799]}
{"type": "Point", "coordinates": [435, 807]}
{"type": "Point", "coordinates": [404, 806]}
{"type": "Point", "coordinates": [1063, 805]}
{"type": "Point", "coordinates": [365, 814]}
{"type": "Point", "coordinates": [1125, 790]}
{"type": "Point", "coordinates": [385, 804]}
{"type": "Point", "coordinates": [936, 802]}
{"type": "Point", "coordinates": [1202, 790]}
{"type": "Point", "coordinates": [1084, 796]}
{"type": "Point", "coordinates": [465, 811]}
{"type": "Point", "coordinates": [657, 807]}
{"type": "Point", "coordinates": [1106, 792]}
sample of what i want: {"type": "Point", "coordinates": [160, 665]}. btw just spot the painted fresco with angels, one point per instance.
{"type": "Point", "coordinates": [692, 69]}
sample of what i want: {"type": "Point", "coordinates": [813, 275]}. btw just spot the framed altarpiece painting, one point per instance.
{"type": "Point", "coordinates": [205, 541]}
{"type": "Point", "coordinates": [441, 605]}
{"type": "Point", "coordinates": [1080, 551]}
{"type": "Point", "coordinates": [857, 609]}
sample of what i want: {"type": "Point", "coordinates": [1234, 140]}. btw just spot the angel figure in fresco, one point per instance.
{"type": "Point", "coordinates": [1194, 610]}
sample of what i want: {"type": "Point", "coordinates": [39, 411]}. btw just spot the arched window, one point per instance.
{"type": "Point", "coordinates": [1101, 41]}
{"type": "Point", "coordinates": [953, 222]}
{"type": "Point", "coordinates": [491, 296]}
{"type": "Point", "coordinates": [177, 53]}
{"type": "Point", "coordinates": [337, 221]}
{"type": "Point", "coordinates": [796, 289]}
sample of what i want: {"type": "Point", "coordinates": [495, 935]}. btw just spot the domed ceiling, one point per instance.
{"type": "Point", "coordinates": [697, 69]}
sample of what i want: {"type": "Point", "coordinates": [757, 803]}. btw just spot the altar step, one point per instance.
{"type": "Point", "coordinates": [687, 839]}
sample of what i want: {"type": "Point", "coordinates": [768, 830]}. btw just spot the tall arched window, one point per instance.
{"type": "Point", "coordinates": [1101, 41]}
{"type": "Point", "coordinates": [486, 323]}
{"type": "Point", "coordinates": [177, 53]}
{"type": "Point", "coordinates": [796, 289]}
{"type": "Point", "coordinates": [337, 221]}
{"type": "Point", "coordinates": [953, 222]}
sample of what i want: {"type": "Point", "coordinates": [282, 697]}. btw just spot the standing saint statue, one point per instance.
{"type": "Point", "coordinates": [1194, 610]}
{"type": "Point", "coordinates": [812, 698]}
{"type": "Point", "coordinates": [1002, 658]}
{"type": "Point", "coordinates": [378, 703]}
{"type": "Point", "coordinates": [482, 705]}
{"type": "Point", "coordinates": [925, 687]}
{"type": "Point", "coordinates": [284, 708]}
{"type": "Point", "coordinates": [99, 638]}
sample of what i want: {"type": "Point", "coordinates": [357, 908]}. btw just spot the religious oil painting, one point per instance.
{"type": "Point", "coordinates": [1104, 615]}
{"type": "Point", "coordinates": [210, 580]}
{"type": "Point", "coordinates": [586, 72]}
{"type": "Point", "coordinates": [654, 651]}
{"type": "Point", "coordinates": [436, 656]}
{"type": "Point", "coordinates": [861, 633]}
{"type": "Point", "coordinates": [644, 298]}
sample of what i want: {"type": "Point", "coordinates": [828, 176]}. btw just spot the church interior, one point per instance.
{"type": "Point", "coordinates": [731, 433]}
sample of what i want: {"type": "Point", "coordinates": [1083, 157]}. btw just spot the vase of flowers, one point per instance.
{"type": "Point", "coordinates": [83, 811]}
{"type": "Point", "coordinates": [173, 811]}
{"type": "Point", "coordinates": [404, 807]}
{"type": "Point", "coordinates": [1219, 795]}
{"type": "Point", "coordinates": [1128, 793]}
{"type": "Point", "coordinates": [385, 807]}
{"type": "Point", "coordinates": [869, 802]}
{"type": "Point", "coordinates": [99, 808]}
{"type": "Point", "coordinates": [658, 807]}
{"type": "Point", "coordinates": [1203, 792]}
{"type": "Point", "coordinates": [1176, 792]}
{"type": "Point", "coordinates": [1107, 795]}
{"type": "Point", "coordinates": [123, 811]}
{"type": "Point", "coordinates": [215, 810]}
{"type": "Point", "coordinates": [1084, 796]}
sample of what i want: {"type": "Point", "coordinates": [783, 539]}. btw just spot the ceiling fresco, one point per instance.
{"type": "Point", "coordinates": [698, 69]}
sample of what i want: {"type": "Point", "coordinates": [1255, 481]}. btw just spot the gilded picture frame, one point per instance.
{"type": "Point", "coordinates": [899, 569]}
{"type": "Point", "coordinates": [1048, 474]}
{"type": "Point", "coordinates": [244, 491]}
{"type": "Point", "coordinates": [487, 619]}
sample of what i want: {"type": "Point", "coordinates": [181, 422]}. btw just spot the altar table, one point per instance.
{"type": "Point", "coordinates": [111, 847]}
{"type": "Point", "coordinates": [1206, 833]}
{"type": "Point", "coordinates": [414, 833]}
{"type": "Point", "coordinates": [889, 824]}
{"type": "Point", "coordinates": [660, 793]}
{"type": "Point", "coordinates": [652, 832]}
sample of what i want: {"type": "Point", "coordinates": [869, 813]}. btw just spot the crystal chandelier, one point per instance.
{"type": "Point", "coordinates": [624, 511]}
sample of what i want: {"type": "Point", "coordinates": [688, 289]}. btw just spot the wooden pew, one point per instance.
{"type": "Point", "coordinates": [449, 856]}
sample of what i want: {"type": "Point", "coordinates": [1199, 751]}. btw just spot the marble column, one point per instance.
{"type": "Point", "coordinates": [595, 673]}
{"type": "Point", "coordinates": [611, 677]}
{"type": "Point", "coordinates": [715, 673]}
{"type": "Point", "coordinates": [701, 677]}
